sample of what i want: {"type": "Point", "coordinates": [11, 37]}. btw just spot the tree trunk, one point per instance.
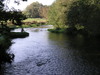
{"type": "Point", "coordinates": [22, 29]}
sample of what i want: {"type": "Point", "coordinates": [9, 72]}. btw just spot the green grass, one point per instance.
{"type": "Point", "coordinates": [35, 19]}
{"type": "Point", "coordinates": [27, 26]}
{"type": "Point", "coordinates": [30, 22]}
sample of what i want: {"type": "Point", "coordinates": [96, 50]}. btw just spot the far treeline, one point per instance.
{"type": "Point", "coordinates": [71, 16]}
{"type": "Point", "coordinates": [36, 10]}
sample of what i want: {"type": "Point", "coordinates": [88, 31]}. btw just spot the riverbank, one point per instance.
{"type": "Point", "coordinates": [57, 30]}
{"type": "Point", "coordinates": [19, 34]}
{"type": "Point", "coordinates": [74, 31]}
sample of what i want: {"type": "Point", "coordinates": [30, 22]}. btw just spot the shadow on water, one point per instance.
{"type": "Point", "coordinates": [85, 51]}
{"type": "Point", "coordinates": [6, 57]}
{"type": "Point", "coordinates": [88, 48]}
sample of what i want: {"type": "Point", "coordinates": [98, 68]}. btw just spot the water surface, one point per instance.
{"type": "Point", "coordinates": [45, 53]}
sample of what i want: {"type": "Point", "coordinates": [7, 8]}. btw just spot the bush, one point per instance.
{"type": "Point", "coordinates": [5, 42]}
{"type": "Point", "coordinates": [85, 13]}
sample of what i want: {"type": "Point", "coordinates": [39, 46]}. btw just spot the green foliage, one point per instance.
{"type": "Point", "coordinates": [5, 42]}
{"type": "Point", "coordinates": [4, 39]}
{"type": "Point", "coordinates": [17, 17]}
{"type": "Point", "coordinates": [44, 11]}
{"type": "Point", "coordinates": [85, 13]}
{"type": "Point", "coordinates": [36, 10]}
{"type": "Point", "coordinates": [76, 14]}
{"type": "Point", "coordinates": [28, 26]}
{"type": "Point", "coordinates": [35, 19]}
{"type": "Point", "coordinates": [34, 22]}
{"type": "Point", "coordinates": [2, 12]}
{"type": "Point", "coordinates": [32, 11]}
{"type": "Point", "coordinates": [57, 16]}
{"type": "Point", "coordinates": [30, 22]}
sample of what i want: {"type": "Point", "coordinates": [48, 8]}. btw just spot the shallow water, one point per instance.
{"type": "Point", "coordinates": [45, 53]}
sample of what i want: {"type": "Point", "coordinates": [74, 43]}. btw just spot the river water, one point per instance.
{"type": "Point", "coordinates": [45, 53]}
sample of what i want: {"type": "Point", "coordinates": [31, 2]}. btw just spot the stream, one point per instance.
{"type": "Point", "coordinates": [46, 53]}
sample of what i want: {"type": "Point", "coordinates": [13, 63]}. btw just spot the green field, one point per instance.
{"type": "Point", "coordinates": [35, 19]}
{"type": "Point", "coordinates": [30, 22]}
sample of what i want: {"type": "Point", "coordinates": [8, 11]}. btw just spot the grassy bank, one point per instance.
{"type": "Point", "coordinates": [33, 22]}
{"type": "Point", "coordinates": [70, 31]}
{"type": "Point", "coordinates": [35, 19]}
{"type": "Point", "coordinates": [18, 34]}
{"type": "Point", "coordinates": [28, 26]}
{"type": "Point", "coordinates": [12, 27]}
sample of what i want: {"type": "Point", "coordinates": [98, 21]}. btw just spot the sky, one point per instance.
{"type": "Point", "coordinates": [24, 4]}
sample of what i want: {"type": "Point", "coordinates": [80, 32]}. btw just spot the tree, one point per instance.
{"type": "Point", "coordinates": [32, 11]}
{"type": "Point", "coordinates": [85, 13]}
{"type": "Point", "coordinates": [5, 42]}
{"type": "Point", "coordinates": [17, 17]}
{"type": "Point", "coordinates": [36, 10]}
{"type": "Point", "coordinates": [43, 12]}
{"type": "Point", "coordinates": [57, 13]}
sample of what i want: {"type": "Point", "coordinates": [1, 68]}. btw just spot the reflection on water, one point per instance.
{"type": "Point", "coordinates": [45, 53]}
